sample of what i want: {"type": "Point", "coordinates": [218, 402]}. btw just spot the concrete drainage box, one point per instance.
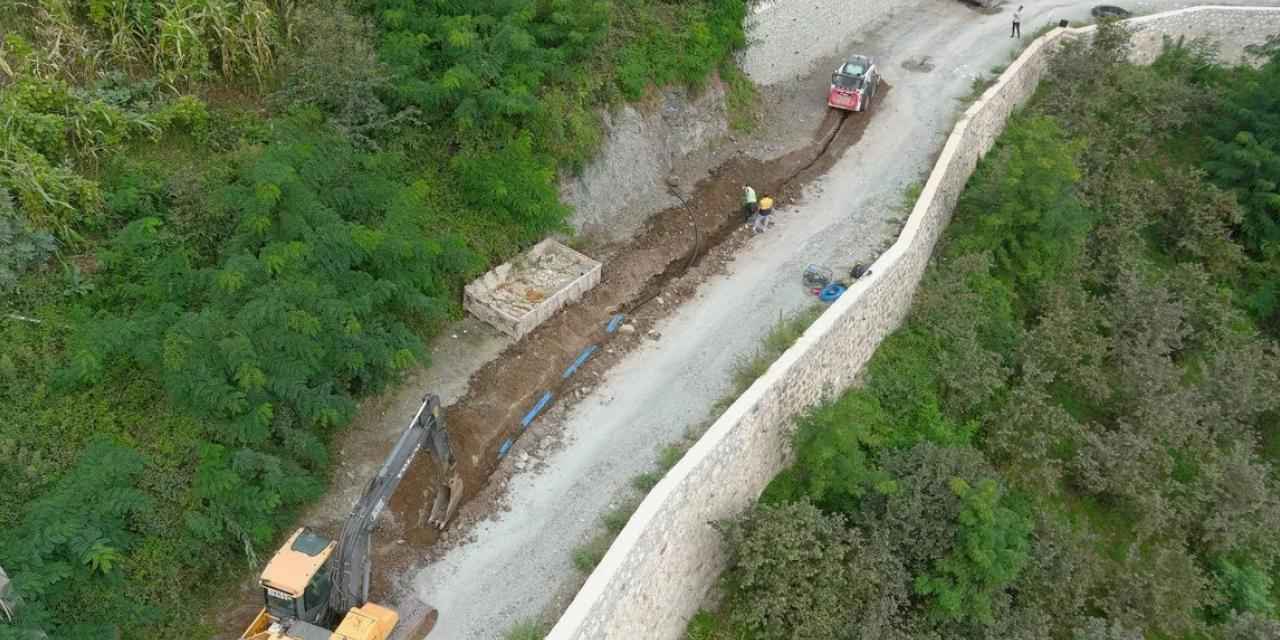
{"type": "Point", "coordinates": [519, 295]}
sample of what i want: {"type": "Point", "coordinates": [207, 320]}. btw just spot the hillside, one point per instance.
{"type": "Point", "coordinates": [224, 223]}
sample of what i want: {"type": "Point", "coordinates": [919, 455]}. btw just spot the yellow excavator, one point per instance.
{"type": "Point", "coordinates": [318, 589]}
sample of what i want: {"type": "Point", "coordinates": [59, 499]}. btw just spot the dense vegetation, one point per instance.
{"type": "Point", "coordinates": [224, 221]}
{"type": "Point", "coordinates": [1075, 434]}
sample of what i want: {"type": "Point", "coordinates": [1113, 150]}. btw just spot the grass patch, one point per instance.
{"type": "Point", "coordinates": [910, 195]}
{"type": "Point", "coordinates": [784, 334]}
{"type": "Point", "coordinates": [979, 86]}
{"type": "Point", "coordinates": [1113, 523]}
{"type": "Point", "coordinates": [712, 625]}
{"type": "Point", "coordinates": [670, 455]}
{"type": "Point", "coordinates": [646, 481]}
{"type": "Point", "coordinates": [587, 556]}
{"type": "Point", "coordinates": [527, 630]}
{"type": "Point", "coordinates": [617, 518]}
{"type": "Point", "coordinates": [742, 99]}
{"type": "Point", "coordinates": [1044, 28]}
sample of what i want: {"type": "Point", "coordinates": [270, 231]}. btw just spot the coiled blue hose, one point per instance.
{"type": "Point", "coordinates": [831, 292]}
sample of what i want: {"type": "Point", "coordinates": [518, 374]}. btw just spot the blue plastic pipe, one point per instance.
{"type": "Point", "coordinates": [613, 323]}
{"type": "Point", "coordinates": [586, 353]}
{"type": "Point", "coordinates": [528, 417]}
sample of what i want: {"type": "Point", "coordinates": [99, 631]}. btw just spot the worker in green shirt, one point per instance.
{"type": "Point", "coordinates": [748, 202]}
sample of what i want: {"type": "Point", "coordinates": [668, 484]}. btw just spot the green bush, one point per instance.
{"type": "Point", "coordinates": [669, 43]}
{"type": "Point", "coordinates": [790, 571]}
{"type": "Point", "coordinates": [481, 65]}
{"type": "Point", "coordinates": [313, 299]}
{"type": "Point", "coordinates": [1027, 216]}
{"type": "Point", "coordinates": [1244, 157]}
{"type": "Point", "coordinates": [1245, 587]}
{"type": "Point", "coordinates": [67, 547]}
{"type": "Point", "coordinates": [21, 248]}
{"type": "Point", "coordinates": [702, 626]}
{"type": "Point", "coordinates": [335, 69]}
{"type": "Point", "coordinates": [316, 279]}
{"type": "Point", "coordinates": [991, 549]}
{"type": "Point", "coordinates": [53, 127]}
{"type": "Point", "coordinates": [835, 449]}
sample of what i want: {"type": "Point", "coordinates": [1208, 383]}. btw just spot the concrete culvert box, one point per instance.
{"type": "Point", "coordinates": [519, 295]}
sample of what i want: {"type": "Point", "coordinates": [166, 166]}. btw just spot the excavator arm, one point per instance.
{"type": "Point", "coordinates": [352, 566]}
{"type": "Point", "coordinates": [314, 585]}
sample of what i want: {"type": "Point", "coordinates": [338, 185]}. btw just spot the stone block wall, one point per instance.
{"type": "Point", "coordinates": [659, 569]}
{"type": "Point", "coordinates": [1232, 28]}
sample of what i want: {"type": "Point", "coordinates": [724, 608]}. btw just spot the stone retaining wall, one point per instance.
{"type": "Point", "coordinates": [1231, 28]}
{"type": "Point", "coordinates": [661, 566]}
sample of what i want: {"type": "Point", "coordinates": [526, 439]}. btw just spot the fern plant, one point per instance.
{"type": "Point", "coordinates": [20, 248]}
{"type": "Point", "coordinates": [75, 538]}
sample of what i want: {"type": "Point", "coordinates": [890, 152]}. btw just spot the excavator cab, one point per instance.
{"type": "Point", "coordinates": [298, 588]}
{"type": "Point", "coordinates": [297, 582]}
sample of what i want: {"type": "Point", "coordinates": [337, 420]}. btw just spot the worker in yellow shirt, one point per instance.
{"type": "Point", "coordinates": [762, 218]}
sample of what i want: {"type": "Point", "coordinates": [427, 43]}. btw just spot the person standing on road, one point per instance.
{"type": "Point", "coordinates": [1017, 23]}
{"type": "Point", "coordinates": [762, 218]}
{"type": "Point", "coordinates": [748, 202]}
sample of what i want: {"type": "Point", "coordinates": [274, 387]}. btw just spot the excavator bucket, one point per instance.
{"type": "Point", "coordinates": [448, 495]}
{"type": "Point", "coordinates": [420, 622]}
{"type": "Point", "coordinates": [448, 487]}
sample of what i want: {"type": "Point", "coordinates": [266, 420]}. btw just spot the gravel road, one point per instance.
{"type": "Point", "coordinates": [517, 565]}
